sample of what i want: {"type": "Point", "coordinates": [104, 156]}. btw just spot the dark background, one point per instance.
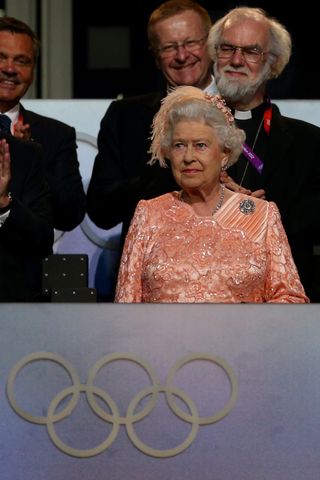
{"type": "Point", "coordinates": [92, 79]}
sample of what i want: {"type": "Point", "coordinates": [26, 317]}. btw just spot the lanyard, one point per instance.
{"type": "Point", "coordinates": [247, 151]}
{"type": "Point", "coordinates": [252, 157]}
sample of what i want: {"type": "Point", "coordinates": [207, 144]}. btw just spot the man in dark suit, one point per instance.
{"type": "Point", "coordinates": [281, 157]}
{"type": "Point", "coordinates": [19, 48]}
{"type": "Point", "coordinates": [177, 31]}
{"type": "Point", "coordinates": [26, 233]}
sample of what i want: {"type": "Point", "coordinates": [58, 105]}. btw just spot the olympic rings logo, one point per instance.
{"type": "Point", "coordinates": [192, 417]}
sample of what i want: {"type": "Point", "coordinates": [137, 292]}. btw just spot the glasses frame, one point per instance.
{"type": "Point", "coordinates": [244, 50]}
{"type": "Point", "coordinates": [174, 46]}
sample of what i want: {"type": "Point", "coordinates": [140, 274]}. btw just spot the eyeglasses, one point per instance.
{"type": "Point", "coordinates": [189, 45]}
{"type": "Point", "coordinates": [251, 54]}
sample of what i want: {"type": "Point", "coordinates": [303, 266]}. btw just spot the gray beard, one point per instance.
{"type": "Point", "coordinates": [236, 92]}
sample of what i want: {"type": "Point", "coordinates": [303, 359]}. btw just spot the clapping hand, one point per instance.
{"type": "Point", "coordinates": [5, 173]}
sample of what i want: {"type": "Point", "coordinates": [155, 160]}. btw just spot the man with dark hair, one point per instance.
{"type": "Point", "coordinates": [19, 48]}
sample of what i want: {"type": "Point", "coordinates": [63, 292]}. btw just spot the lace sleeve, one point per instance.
{"type": "Point", "coordinates": [283, 283]}
{"type": "Point", "coordinates": [129, 288]}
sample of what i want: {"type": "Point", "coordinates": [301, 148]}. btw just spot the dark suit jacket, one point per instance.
{"type": "Point", "coordinates": [291, 178]}
{"type": "Point", "coordinates": [121, 176]}
{"type": "Point", "coordinates": [58, 141]}
{"type": "Point", "coordinates": [27, 234]}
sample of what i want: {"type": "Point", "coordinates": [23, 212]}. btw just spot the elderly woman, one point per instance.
{"type": "Point", "coordinates": [204, 243]}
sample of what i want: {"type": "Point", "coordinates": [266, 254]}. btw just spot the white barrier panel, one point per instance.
{"type": "Point", "coordinates": [101, 245]}
{"type": "Point", "coordinates": [210, 392]}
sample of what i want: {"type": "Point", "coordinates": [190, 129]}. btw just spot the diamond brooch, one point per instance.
{"type": "Point", "coordinates": [247, 206]}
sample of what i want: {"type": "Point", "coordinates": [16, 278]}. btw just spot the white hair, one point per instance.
{"type": "Point", "coordinates": [191, 103]}
{"type": "Point", "coordinates": [280, 44]}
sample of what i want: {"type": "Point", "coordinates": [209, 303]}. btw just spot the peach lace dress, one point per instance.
{"type": "Point", "coordinates": [173, 255]}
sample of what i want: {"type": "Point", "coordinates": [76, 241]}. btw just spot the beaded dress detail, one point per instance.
{"type": "Point", "coordinates": [173, 255]}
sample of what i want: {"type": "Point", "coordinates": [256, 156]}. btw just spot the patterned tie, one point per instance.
{"type": "Point", "coordinates": [5, 123]}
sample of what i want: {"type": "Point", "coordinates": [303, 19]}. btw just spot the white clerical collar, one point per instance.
{"type": "Point", "coordinates": [242, 114]}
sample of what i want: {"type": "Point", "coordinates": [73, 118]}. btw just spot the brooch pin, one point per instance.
{"type": "Point", "coordinates": [247, 206]}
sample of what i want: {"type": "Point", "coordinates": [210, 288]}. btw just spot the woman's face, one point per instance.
{"type": "Point", "coordinates": [196, 156]}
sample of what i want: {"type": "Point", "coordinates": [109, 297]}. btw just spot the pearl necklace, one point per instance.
{"type": "Point", "coordinates": [219, 204]}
